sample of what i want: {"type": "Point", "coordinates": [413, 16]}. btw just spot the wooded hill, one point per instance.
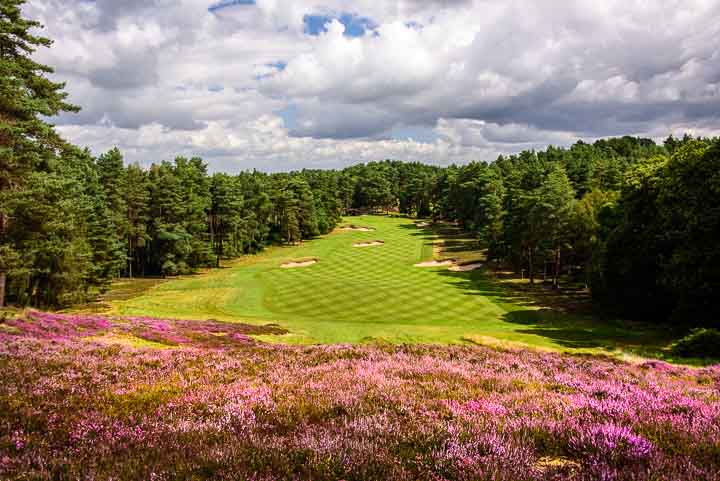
{"type": "Point", "coordinates": [638, 222]}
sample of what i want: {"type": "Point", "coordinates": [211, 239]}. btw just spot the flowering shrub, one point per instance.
{"type": "Point", "coordinates": [609, 446]}
{"type": "Point", "coordinates": [203, 400]}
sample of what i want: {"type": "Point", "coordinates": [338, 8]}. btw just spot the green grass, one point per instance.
{"type": "Point", "coordinates": [376, 294]}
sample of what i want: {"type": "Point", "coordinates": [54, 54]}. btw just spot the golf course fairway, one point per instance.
{"type": "Point", "coordinates": [373, 293]}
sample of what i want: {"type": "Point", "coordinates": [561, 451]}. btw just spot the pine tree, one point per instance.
{"type": "Point", "coordinates": [49, 234]}
{"type": "Point", "coordinates": [552, 213]}
{"type": "Point", "coordinates": [113, 179]}
{"type": "Point", "coordinates": [137, 202]}
{"type": "Point", "coordinates": [27, 142]}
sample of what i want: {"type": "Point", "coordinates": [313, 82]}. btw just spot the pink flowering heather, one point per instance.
{"type": "Point", "coordinates": [77, 404]}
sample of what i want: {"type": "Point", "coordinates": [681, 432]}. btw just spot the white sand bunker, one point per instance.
{"type": "Point", "coordinates": [356, 228]}
{"type": "Point", "coordinates": [466, 267]}
{"type": "Point", "coordinates": [441, 263]}
{"type": "Point", "coordinates": [301, 263]}
{"type": "Point", "coordinates": [422, 224]}
{"type": "Point", "coordinates": [369, 243]}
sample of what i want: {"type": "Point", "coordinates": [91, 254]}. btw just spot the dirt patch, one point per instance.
{"type": "Point", "coordinates": [466, 267]}
{"type": "Point", "coordinates": [356, 228]}
{"type": "Point", "coordinates": [559, 464]}
{"type": "Point", "coordinates": [369, 243]}
{"type": "Point", "coordinates": [440, 263]}
{"type": "Point", "coordinates": [299, 263]}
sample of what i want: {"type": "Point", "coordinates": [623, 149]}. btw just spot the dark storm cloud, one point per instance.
{"type": "Point", "coordinates": [328, 120]}
{"type": "Point", "coordinates": [112, 10]}
{"type": "Point", "coordinates": [130, 70]}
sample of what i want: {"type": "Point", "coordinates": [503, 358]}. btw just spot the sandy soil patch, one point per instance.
{"type": "Point", "coordinates": [302, 263]}
{"type": "Point", "coordinates": [369, 243]}
{"type": "Point", "coordinates": [441, 263]}
{"type": "Point", "coordinates": [466, 267]}
{"type": "Point", "coordinates": [356, 228]}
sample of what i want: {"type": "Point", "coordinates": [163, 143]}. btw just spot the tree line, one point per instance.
{"type": "Point", "coordinates": [635, 221]}
{"type": "Point", "coordinates": [75, 227]}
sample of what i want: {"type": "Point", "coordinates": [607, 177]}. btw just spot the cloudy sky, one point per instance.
{"type": "Point", "coordinates": [279, 85]}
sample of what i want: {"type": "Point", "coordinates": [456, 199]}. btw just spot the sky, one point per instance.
{"type": "Point", "coordinates": [281, 85]}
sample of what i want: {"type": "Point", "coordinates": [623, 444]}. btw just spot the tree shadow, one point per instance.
{"type": "Point", "coordinates": [564, 327]}
{"type": "Point", "coordinates": [414, 227]}
{"type": "Point", "coordinates": [459, 245]}
{"type": "Point", "coordinates": [564, 316]}
{"type": "Point", "coordinates": [423, 232]}
{"type": "Point", "coordinates": [572, 332]}
{"type": "Point", "coordinates": [449, 237]}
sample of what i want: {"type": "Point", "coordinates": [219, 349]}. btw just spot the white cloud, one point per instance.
{"type": "Point", "coordinates": [245, 87]}
{"type": "Point", "coordinates": [478, 133]}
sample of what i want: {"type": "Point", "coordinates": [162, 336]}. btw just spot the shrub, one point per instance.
{"type": "Point", "coordinates": [610, 444]}
{"type": "Point", "coordinates": [169, 268]}
{"type": "Point", "coordinates": [703, 343]}
{"type": "Point", "coordinates": [183, 268]}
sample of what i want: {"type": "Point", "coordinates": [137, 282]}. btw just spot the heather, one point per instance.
{"type": "Point", "coordinates": [95, 397]}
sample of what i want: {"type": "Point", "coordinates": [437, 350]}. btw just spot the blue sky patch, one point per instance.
{"type": "Point", "coordinates": [355, 25]}
{"type": "Point", "coordinates": [279, 65]}
{"type": "Point", "coordinates": [289, 116]}
{"type": "Point", "coordinates": [417, 133]}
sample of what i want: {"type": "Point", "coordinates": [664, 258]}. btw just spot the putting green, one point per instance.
{"type": "Point", "coordinates": [354, 295]}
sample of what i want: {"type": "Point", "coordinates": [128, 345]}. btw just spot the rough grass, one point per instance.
{"type": "Point", "coordinates": [376, 295]}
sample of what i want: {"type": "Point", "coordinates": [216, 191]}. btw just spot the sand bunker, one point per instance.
{"type": "Point", "coordinates": [369, 243]}
{"type": "Point", "coordinates": [466, 267]}
{"type": "Point", "coordinates": [451, 264]}
{"type": "Point", "coordinates": [423, 224]}
{"type": "Point", "coordinates": [442, 263]}
{"type": "Point", "coordinates": [356, 228]}
{"type": "Point", "coordinates": [293, 264]}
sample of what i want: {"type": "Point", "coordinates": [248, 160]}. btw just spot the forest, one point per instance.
{"type": "Point", "coordinates": [635, 221]}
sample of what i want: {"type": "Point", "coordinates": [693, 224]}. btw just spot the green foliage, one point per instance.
{"type": "Point", "coordinates": [47, 233]}
{"type": "Point", "coordinates": [27, 143]}
{"type": "Point", "coordinates": [636, 221]}
{"type": "Point", "coordinates": [662, 259]}
{"type": "Point", "coordinates": [700, 343]}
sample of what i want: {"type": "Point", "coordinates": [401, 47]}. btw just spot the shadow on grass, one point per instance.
{"type": "Point", "coordinates": [565, 327]}
{"type": "Point", "coordinates": [459, 245]}
{"type": "Point", "coordinates": [563, 316]}
{"type": "Point", "coordinates": [418, 231]}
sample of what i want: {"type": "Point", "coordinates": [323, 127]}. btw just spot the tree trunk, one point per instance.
{"type": "Point", "coordinates": [211, 223]}
{"type": "Point", "coordinates": [531, 270]}
{"type": "Point", "coordinates": [130, 256]}
{"type": "Point", "coordinates": [556, 281]}
{"type": "Point", "coordinates": [2, 272]}
{"type": "Point", "coordinates": [2, 288]}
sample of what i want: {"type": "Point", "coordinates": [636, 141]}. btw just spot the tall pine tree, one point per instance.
{"type": "Point", "coordinates": [27, 142]}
